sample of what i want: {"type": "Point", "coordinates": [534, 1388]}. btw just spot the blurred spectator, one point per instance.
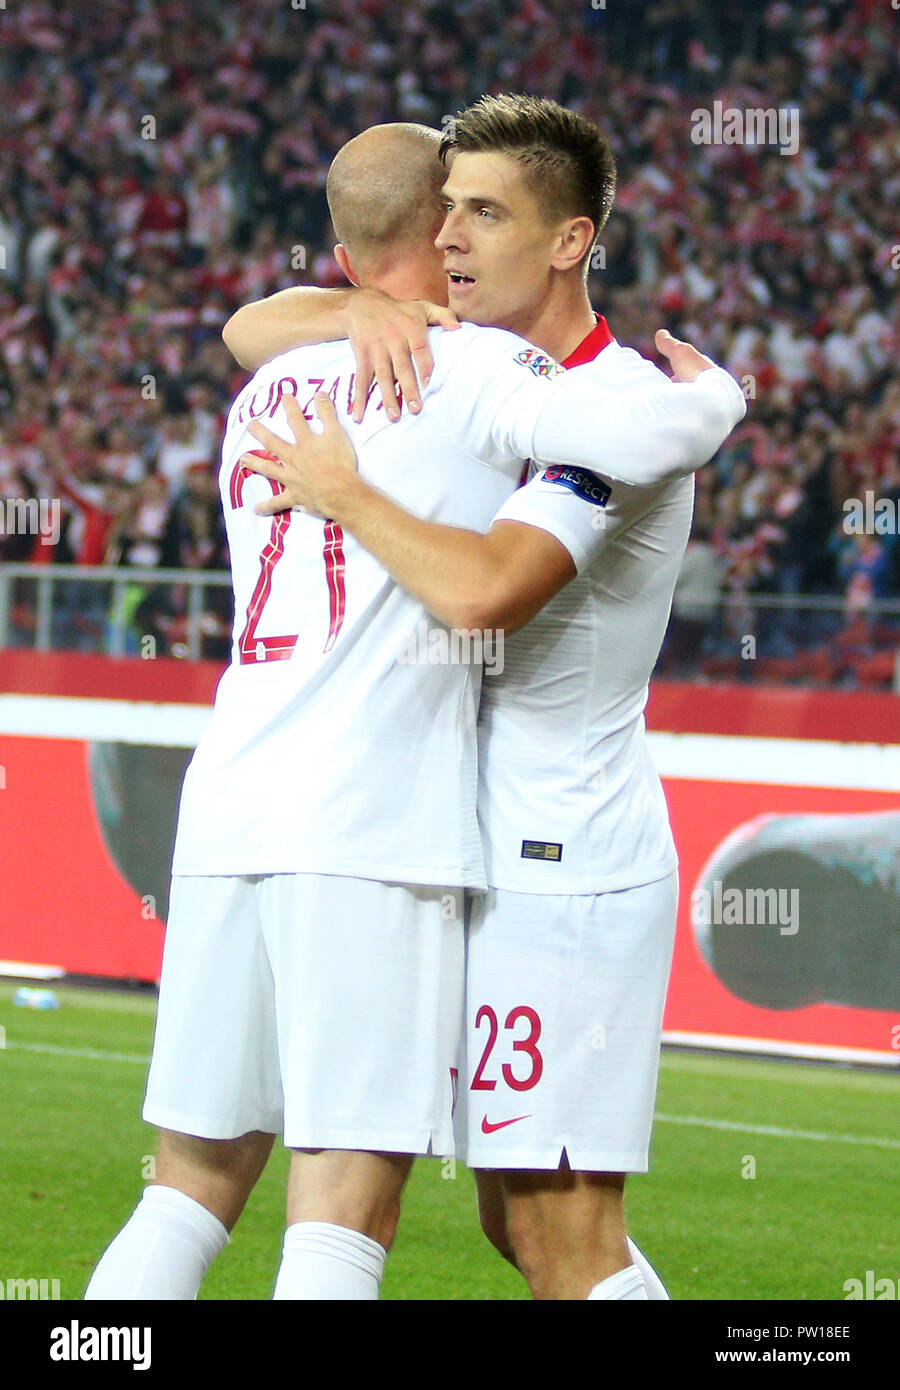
{"type": "Point", "coordinates": [195, 533]}
{"type": "Point", "coordinates": [137, 535]}
{"type": "Point", "coordinates": [184, 442]}
{"type": "Point", "coordinates": [864, 567]}
{"type": "Point", "coordinates": [695, 604]}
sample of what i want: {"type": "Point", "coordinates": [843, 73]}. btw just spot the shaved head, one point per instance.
{"type": "Point", "coordinates": [383, 191]}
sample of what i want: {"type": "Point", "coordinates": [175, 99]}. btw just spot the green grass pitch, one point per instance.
{"type": "Point", "coordinates": [820, 1209]}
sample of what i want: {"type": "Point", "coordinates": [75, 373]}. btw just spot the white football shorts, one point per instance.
{"type": "Point", "coordinates": [323, 1008]}
{"type": "Point", "coordinates": [564, 1006]}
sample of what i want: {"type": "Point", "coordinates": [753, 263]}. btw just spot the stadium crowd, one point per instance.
{"type": "Point", "coordinates": [163, 163]}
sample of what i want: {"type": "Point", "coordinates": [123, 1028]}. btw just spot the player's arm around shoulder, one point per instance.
{"type": "Point", "coordinates": [724, 403]}
{"type": "Point", "coordinates": [389, 338]}
{"type": "Point", "coordinates": [293, 317]}
{"type": "Point", "coordinates": [624, 418]}
{"type": "Point", "coordinates": [466, 579]}
{"type": "Point", "coordinates": [520, 568]}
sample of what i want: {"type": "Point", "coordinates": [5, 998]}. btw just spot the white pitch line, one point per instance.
{"type": "Point", "coordinates": [776, 1132]}
{"type": "Point", "coordinates": [77, 1052]}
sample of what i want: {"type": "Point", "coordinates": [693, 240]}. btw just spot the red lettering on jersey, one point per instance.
{"type": "Point", "coordinates": [251, 647]}
{"type": "Point", "coordinates": [316, 382]}
{"type": "Point", "coordinates": [251, 411]}
{"type": "Point", "coordinates": [381, 402]}
{"type": "Point", "coordinates": [293, 392]}
{"type": "Point", "coordinates": [334, 574]}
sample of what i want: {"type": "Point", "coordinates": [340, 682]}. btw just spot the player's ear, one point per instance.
{"type": "Point", "coordinates": [343, 260]}
{"type": "Point", "coordinates": [575, 240]}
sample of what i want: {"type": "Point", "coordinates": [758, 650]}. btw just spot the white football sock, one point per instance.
{"type": "Point", "coordinates": [655, 1287]}
{"type": "Point", "coordinates": [624, 1284]}
{"type": "Point", "coordinates": [329, 1262]}
{"type": "Point", "coordinates": [162, 1251]}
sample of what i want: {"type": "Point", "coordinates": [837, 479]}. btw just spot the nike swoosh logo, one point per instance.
{"type": "Point", "coordinates": [488, 1128]}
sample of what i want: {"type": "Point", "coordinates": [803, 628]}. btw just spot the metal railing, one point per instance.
{"type": "Point", "coordinates": [111, 609]}
{"type": "Point", "coordinates": [54, 597]}
{"type": "Point", "coordinates": [815, 639]}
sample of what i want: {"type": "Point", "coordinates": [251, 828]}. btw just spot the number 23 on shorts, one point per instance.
{"type": "Point", "coordinates": [485, 1073]}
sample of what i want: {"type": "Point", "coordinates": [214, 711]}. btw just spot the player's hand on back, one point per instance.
{"type": "Point", "coordinates": [389, 338]}
{"type": "Point", "coordinates": [687, 363]}
{"type": "Point", "coordinates": [315, 470]}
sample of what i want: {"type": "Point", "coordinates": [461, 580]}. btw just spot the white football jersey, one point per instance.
{"type": "Point", "coordinates": [343, 737]}
{"type": "Point", "coordinates": [569, 800]}
{"type": "Point", "coordinates": [335, 745]}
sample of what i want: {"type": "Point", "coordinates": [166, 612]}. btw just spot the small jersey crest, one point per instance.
{"type": "Point", "coordinates": [539, 363]}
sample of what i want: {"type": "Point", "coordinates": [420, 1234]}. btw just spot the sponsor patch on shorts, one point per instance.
{"type": "Point", "coordinates": [541, 849]}
{"type": "Point", "coordinates": [581, 481]}
{"type": "Point", "coordinates": [539, 363]}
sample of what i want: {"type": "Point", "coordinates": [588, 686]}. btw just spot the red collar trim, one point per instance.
{"type": "Point", "coordinates": [591, 346]}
